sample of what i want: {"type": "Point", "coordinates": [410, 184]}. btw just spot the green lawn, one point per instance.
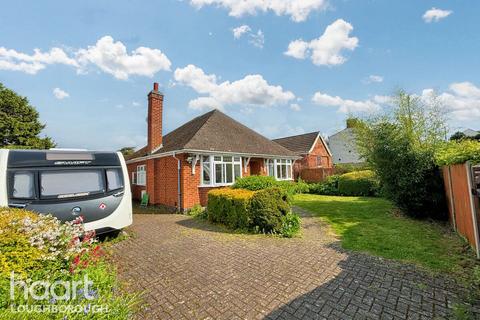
{"type": "Point", "coordinates": [370, 225]}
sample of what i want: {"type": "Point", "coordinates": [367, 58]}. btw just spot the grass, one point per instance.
{"type": "Point", "coordinates": [371, 225]}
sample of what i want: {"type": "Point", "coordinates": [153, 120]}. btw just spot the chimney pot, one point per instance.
{"type": "Point", "coordinates": [155, 86]}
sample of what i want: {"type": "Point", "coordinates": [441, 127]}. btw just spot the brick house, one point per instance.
{"type": "Point", "coordinates": [316, 159]}
{"type": "Point", "coordinates": [210, 151]}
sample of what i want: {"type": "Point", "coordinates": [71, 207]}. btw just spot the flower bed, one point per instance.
{"type": "Point", "coordinates": [41, 261]}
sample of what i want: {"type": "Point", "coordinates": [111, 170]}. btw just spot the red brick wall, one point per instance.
{"type": "Point", "coordinates": [310, 161]}
{"type": "Point", "coordinates": [136, 190]}
{"type": "Point", "coordinates": [162, 181]}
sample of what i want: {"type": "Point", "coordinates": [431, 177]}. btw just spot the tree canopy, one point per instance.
{"type": "Point", "coordinates": [400, 146]}
{"type": "Point", "coordinates": [127, 151]}
{"type": "Point", "coordinates": [19, 123]}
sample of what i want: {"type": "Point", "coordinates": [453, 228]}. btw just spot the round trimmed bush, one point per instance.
{"type": "Point", "coordinates": [268, 208]}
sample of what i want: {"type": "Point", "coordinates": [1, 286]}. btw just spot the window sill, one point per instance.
{"type": "Point", "coordinates": [215, 185]}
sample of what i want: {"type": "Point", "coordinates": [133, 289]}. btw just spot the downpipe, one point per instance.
{"type": "Point", "coordinates": [179, 192]}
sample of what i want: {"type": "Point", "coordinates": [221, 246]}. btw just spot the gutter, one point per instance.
{"type": "Point", "coordinates": [207, 152]}
{"type": "Point", "coordinates": [179, 190]}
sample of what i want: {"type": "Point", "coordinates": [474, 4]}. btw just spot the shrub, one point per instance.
{"type": "Point", "coordinates": [230, 207]}
{"type": "Point", "coordinates": [266, 211]}
{"type": "Point", "coordinates": [455, 152]}
{"type": "Point", "coordinates": [255, 183]}
{"type": "Point", "coordinates": [197, 211]}
{"type": "Point", "coordinates": [268, 207]}
{"type": "Point", "coordinates": [400, 146]}
{"type": "Point", "coordinates": [29, 242]}
{"type": "Point", "coordinates": [290, 225]}
{"type": "Point", "coordinates": [358, 183]}
{"type": "Point", "coordinates": [342, 168]}
{"type": "Point", "coordinates": [41, 248]}
{"type": "Point", "coordinates": [328, 187]}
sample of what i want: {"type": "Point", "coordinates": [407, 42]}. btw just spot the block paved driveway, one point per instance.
{"type": "Point", "coordinates": [188, 269]}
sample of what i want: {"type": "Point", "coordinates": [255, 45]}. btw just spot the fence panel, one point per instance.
{"type": "Point", "coordinates": [462, 203]}
{"type": "Point", "coordinates": [315, 174]}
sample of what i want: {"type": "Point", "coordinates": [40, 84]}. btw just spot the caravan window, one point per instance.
{"type": "Point", "coordinates": [114, 179]}
{"type": "Point", "coordinates": [70, 183]}
{"type": "Point", "coordinates": [23, 185]}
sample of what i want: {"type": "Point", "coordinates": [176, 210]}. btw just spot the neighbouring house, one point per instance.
{"type": "Point", "coordinates": [343, 145]}
{"type": "Point", "coordinates": [212, 150]}
{"type": "Point", "coordinates": [316, 159]}
{"type": "Point", "coordinates": [470, 133]}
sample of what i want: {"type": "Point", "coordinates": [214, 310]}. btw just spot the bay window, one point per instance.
{"type": "Point", "coordinates": [281, 169]}
{"type": "Point", "coordinates": [220, 170]}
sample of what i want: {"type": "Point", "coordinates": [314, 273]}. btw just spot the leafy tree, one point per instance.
{"type": "Point", "coordinates": [458, 136]}
{"type": "Point", "coordinates": [400, 147]}
{"type": "Point", "coordinates": [127, 151]}
{"type": "Point", "coordinates": [352, 122]}
{"type": "Point", "coordinates": [19, 123]}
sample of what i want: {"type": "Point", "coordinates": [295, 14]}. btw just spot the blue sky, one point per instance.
{"type": "Point", "coordinates": [349, 57]}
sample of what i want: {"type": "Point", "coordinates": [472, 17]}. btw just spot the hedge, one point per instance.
{"type": "Point", "coordinates": [230, 207]}
{"type": "Point", "coordinates": [266, 211]}
{"type": "Point", "coordinates": [358, 183]}
{"type": "Point", "coordinates": [255, 183]}
{"type": "Point", "coordinates": [455, 152]}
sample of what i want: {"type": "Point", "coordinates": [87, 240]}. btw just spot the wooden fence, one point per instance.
{"type": "Point", "coordinates": [462, 184]}
{"type": "Point", "coordinates": [315, 174]}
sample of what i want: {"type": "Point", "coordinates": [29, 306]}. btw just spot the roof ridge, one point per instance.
{"type": "Point", "coordinates": [298, 135]}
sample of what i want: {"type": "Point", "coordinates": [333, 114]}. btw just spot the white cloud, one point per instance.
{"type": "Point", "coordinates": [109, 56]}
{"type": "Point", "coordinates": [346, 105]}
{"type": "Point", "coordinates": [60, 94]}
{"type": "Point", "coordinates": [279, 130]}
{"type": "Point", "coordinates": [17, 61]}
{"type": "Point", "coordinates": [327, 49]}
{"type": "Point", "coordinates": [374, 78]}
{"type": "Point", "coordinates": [295, 107]}
{"type": "Point", "coordinates": [252, 90]}
{"type": "Point", "coordinates": [113, 58]}
{"type": "Point", "coordinates": [298, 10]}
{"type": "Point", "coordinates": [135, 104]}
{"type": "Point", "coordinates": [462, 100]}
{"type": "Point", "coordinates": [435, 15]}
{"type": "Point", "coordinates": [257, 39]}
{"type": "Point", "coordinates": [240, 31]}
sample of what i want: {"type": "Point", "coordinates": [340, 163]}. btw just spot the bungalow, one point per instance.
{"type": "Point", "coordinates": [316, 158]}
{"type": "Point", "coordinates": [212, 150]}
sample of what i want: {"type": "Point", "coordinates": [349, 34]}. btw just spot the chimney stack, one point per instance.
{"type": "Point", "coordinates": [155, 118]}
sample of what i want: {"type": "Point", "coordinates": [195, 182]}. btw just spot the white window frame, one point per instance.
{"type": "Point", "coordinates": [279, 163]}
{"type": "Point", "coordinates": [134, 177]}
{"type": "Point", "coordinates": [213, 160]}
{"type": "Point", "coordinates": [141, 175]}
